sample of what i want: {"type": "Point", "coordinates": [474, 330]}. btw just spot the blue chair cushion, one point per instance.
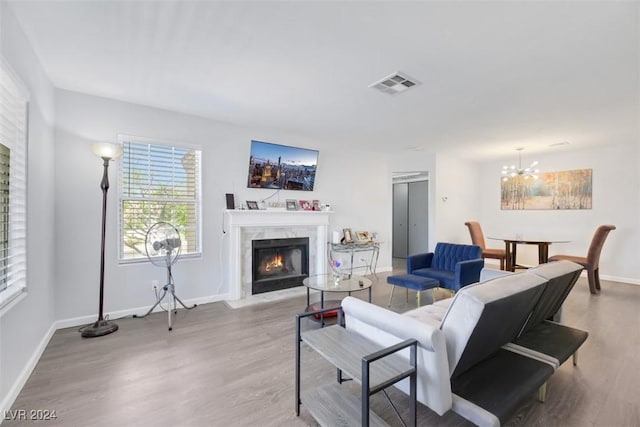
{"type": "Point", "coordinates": [445, 277]}
{"type": "Point", "coordinates": [411, 281]}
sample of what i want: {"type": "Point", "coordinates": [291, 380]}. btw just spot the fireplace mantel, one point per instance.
{"type": "Point", "coordinates": [239, 225]}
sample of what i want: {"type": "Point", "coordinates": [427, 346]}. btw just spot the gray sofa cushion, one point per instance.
{"type": "Point", "coordinates": [483, 317]}
{"type": "Point", "coordinates": [562, 276]}
{"type": "Point", "coordinates": [428, 313]}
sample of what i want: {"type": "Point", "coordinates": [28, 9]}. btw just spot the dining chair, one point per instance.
{"type": "Point", "coordinates": [477, 238]}
{"type": "Point", "coordinates": [592, 260]}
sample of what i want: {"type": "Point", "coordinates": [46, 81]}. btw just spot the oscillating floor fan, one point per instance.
{"type": "Point", "coordinates": [163, 246]}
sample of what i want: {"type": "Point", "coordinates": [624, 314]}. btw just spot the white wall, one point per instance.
{"type": "Point", "coordinates": [457, 198]}
{"type": "Point", "coordinates": [616, 179]}
{"type": "Point", "coordinates": [355, 183]}
{"type": "Point", "coordinates": [26, 327]}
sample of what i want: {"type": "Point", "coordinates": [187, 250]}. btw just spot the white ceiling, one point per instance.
{"type": "Point", "coordinates": [494, 75]}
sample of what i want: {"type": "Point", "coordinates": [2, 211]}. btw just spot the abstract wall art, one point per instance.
{"type": "Point", "coordinates": [551, 191]}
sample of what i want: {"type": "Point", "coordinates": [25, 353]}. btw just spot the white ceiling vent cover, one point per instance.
{"type": "Point", "coordinates": [395, 83]}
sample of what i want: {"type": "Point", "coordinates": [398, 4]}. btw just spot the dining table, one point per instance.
{"type": "Point", "coordinates": [511, 246]}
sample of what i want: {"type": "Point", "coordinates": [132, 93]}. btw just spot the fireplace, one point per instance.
{"type": "Point", "coordinates": [244, 226]}
{"type": "Point", "coordinates": [279, 263]}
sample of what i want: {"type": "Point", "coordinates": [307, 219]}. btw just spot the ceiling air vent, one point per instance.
{"type": "Point", "coordinates": [394, 83]}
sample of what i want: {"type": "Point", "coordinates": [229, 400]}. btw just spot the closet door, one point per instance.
{"type": "Point", "coordinates": [418, 230]}
{"type": "Point", "coordinates": [400, 218]}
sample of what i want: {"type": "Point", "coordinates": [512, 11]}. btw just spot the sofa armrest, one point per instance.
{"type": "Point", "coordinates": [415, 262]}
{"type": "Point", "coordinates": [468, 272]}
{"type": "Point", "coordinates": [386, 328]}
{"type": "Point", "coordinates": [401, 327]}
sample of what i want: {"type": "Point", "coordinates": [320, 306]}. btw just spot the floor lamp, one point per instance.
{"type": "Point", "coordinates": [107, 152]}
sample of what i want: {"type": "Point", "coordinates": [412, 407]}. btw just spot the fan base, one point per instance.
{"type": "Point", "coordinates": [99, 328]}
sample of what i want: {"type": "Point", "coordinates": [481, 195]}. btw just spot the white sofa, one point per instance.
{"type": "Point", "coordinates": [465, 360]}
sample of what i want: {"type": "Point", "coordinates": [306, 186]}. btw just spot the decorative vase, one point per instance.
{"type": "Point", "coordinates": [335, 270]}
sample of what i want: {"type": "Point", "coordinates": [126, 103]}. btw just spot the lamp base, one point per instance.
{"type": "Point", "coordinates": [98, 329]}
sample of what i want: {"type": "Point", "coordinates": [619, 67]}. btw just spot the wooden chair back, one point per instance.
{"type": "Point", "coordinates": [477, 237]}
{"type": "Point", "coordinates": [597, 242]}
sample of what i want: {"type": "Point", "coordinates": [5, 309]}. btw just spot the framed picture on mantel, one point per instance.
{"type": "Point", "coordinates": [305, 205]}
{"type": "Point", "coordinates": [292, 205]}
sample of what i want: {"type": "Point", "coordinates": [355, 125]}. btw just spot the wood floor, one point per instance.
{"type": "Point", "coordinates": [226, 367]}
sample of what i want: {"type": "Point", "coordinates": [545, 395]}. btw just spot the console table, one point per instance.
{"type": "Point", "coordinates": [354, 248]}
{"type": "Point", "coordinates": [353, 355]}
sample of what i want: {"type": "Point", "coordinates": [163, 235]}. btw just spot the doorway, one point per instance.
{"type": "Point", "coordinates": [410, 231]}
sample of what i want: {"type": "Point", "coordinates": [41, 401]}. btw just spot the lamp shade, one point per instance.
{"type": "Point", "coordinates": [106, 150]}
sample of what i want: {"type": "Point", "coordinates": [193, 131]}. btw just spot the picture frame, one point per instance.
{"type": "Point", "coordinates": [315, 205]}
{"type": "Point", "coordinates": [348, 237]}
{"type": "Point", "coordinates": [252, 205]}
{"type": "Point", "coordinates": [292, 205]}
{"type": "Point", "coordinates": [363, 237]}
{"type": "Point", "coordinates": [576, 193]}
{"type": "Point", "coordinates": [305, 205]}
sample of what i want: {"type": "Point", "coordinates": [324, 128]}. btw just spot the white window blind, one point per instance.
{"type": "Point", "coordinates": [13, 185]}
{"type": "Point", "coordinates": [158, 182]}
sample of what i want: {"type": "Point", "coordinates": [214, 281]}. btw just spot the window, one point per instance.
{"type": "Point", "coordinates": [158, 182]}
{"type": "Point", "coordinates": [13, 185]}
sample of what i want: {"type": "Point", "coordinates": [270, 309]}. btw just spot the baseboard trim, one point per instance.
{"type": "Point", "coordinates": [618, 279]}
{"type": "Point", "coordinates": [85, 320]}
{"type": "Point", "coordinates": [17, 386]}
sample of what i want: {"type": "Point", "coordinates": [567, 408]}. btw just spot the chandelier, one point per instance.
{"type": "Point", "coordinates": [513, 171]}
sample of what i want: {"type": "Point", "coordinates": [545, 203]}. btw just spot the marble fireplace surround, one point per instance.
{"type": "Point", "coordinates": [243, 226]}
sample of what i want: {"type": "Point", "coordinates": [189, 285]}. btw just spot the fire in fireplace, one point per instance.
{"type": "Point", "coordinates": [279, 263]}
{"type": "Point", "coordinates": [275, 264]}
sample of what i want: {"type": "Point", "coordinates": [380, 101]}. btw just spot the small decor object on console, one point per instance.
{"type": "Point", "coordinates": [363, 237]}
{"type": "Point", "coordinates": [347, 235]}
{"type": "Point", "coordinates": [292, 205]}
{"type": "Point", "coordinates": [252, 205]}
{"type": "Point", "coordinates": [335, 268]}
{"type": "Point", "coordinates": [316, 205]}
{"type": "Point", "coordinates": [305, 205]}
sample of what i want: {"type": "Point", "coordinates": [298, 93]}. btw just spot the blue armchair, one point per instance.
{"type": "Point", "coordinates": [453, 265]}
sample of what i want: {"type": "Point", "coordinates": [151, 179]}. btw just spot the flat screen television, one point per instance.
{"type": "Point", "coordinates": [281, 167]}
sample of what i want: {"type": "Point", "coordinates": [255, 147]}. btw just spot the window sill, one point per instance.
{"type": "Point", "coordinates": [183, 257]}
{"type": "Point", "coordinates": [10, 297]}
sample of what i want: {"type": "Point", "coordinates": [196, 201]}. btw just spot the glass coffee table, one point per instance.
{"type": "Point", "coordinates": [330, 283]}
